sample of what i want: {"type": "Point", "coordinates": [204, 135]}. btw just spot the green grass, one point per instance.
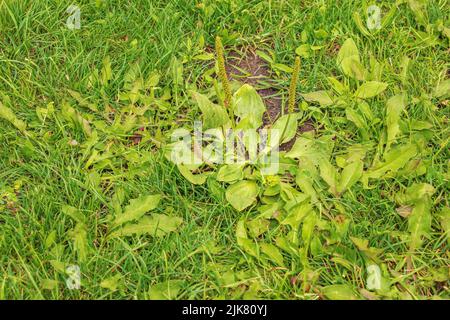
{"type": "Point", "coordinates": [40, 171]}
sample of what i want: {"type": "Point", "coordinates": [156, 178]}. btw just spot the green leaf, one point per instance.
{"type": "Point", "coordinates": [264, 56]}
{"type": "Point", "coordinates": [303, 51]}
{"type": "Point", "coordinates": [418, 7]}
{"type": "Point", "coordinates": [282, 67]}
{"type": "Point", "coordinates": [273, 253]}
{"type": "Point", "coordinates": [415, 192]}
{"type": "Point", "coordinates": [7, 114]}
{"type": "Point", "coordinates": [355, 117]}
{"type": "Point", "coordinates": [370, 89]}
{"type": "Point", "coordinates": [49, 284]}
{"type": "Point", "coordinates": [248, 106]}
{"type": "Point", "coordinates": [155, 225]}
{"type": "Point", "coordinates": [77, 119]}
{"type": "Point", "coordinates": [329, 175]}
{"type": "Point", "coordinates": [419, 223]}
{"type": "Point", "coordinates": [359, 23]}
{"type": "Point", "coordinates": [192, 178]}
{"type": "Point", "coordinates": [350, 175]}
{"type": "Point", "coordinates": [80, 242]}
{"type": "Point", "coordinates": [444, 217]}
{"type": "Point", "coordinates": [394, 107]}
{"type": "Point", "coordinates": [230, 172]}
{"type": "Point", "coordinates": [214, 115]}
{"type": "Point", "coordinates": [308, 149]}
{"type": "Point", "coordinates": [106, 72]}
{"type": "Point", "coordinates": [322, 97]}
{"type": "Point", "coordinates": [82, 101]}
{"type": "Point", "coordinates": [74, 213]}
{"type": "Point", "coordinates": [112, 283]}
{"type": "Point", "coordinates": [442, 89]}
{"type": "Point", "coordinates": [243, 241]}
{"type": "Point", "coordinates": [137, 208]}
{"type": "Point", "coordinates": [287, 126]}
{"type": "Point", "coordinates": [395, 159]}
{"type": "Point", "coordinates": [167, 290]}
{"type": "Point", "coordinates": [338, 86]}
{"type": "Point", "coordinates": [242, 194]}
{"type": "Point", "coordinates": [339, 292]}
{"type": "Point", "coordinates": [349, 61]}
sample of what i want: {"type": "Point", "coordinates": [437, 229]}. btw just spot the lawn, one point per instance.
{"type": "Point", "coordinates": [359, 208]}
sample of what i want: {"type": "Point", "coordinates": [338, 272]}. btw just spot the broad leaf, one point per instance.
{"type": "Point", "coordinates": [137, 208]}
{"type": "Point", "coordinates": [214, 115]}
{"type": "Point", "coordinates": [395, 159]}
{"type": "Point", "coordinates": [192, 178]}
{"type": "Point", "coordinates": [349, 61]}
{"type": "Point", "coordinates": [350, 175]}
{"type": "Point", "coordinates": [287, 126]}
{"type": "Point", "coordinates": [322, 97]}
{"type": "Point", "coordinates": [329, 175]}
{"type": "Point", "coordinates": [242, 194]}
{"type": "Point", "coordinates": [230, 172]}
{"type": "Point", "coordinates": [339, 292]}
{"type": "Point", "coordinates": [419, 223]}
{"type": "Point", "coordinates": [7, 114]}
{"type": "Point", "coordinates": [394, 107]}
{"type": "Point", "coordinates": [273, 253]}
{"type": "Point", "coordinates": [167, 290]}
{"type": "Point", "coordinates": [80, 241]}
{"type": "Point", "coordinates": [155, 225]}
{"type": "Point", "coordinates": [249, 106]}
{"type": "Point", "coordinates": [370, 89]}
{"type": "Point", "coordinates": [442, 89]}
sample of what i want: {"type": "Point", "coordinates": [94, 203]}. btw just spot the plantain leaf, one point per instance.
{"type": "Point", "coordinates": [394, 107]}
{"type": "Point", "coordinates": [112, 283]}
{"type": "Point", "coordinates": [155, 225]}
{"type": "Point", "coordinates": [242, 194]}
{"type": "Point", "coordinates": [243, 241]}
{"type": "Point", "coordinates": [230, 172]}
{"type": "Point", "coordinates": [395, 159]}
{"type": "Point", "coordinates": [74, 213]}
{"type": "Point", "coordinates": [329, 175]}
{"type": "Point", "coordinates": [322, 97]}
{"type": "Point", "coordinates": [273, 253]}
{"type": "Point", "coordinates": [350, 175]}
{"type": "Point", "coordinates": [214, 115]}
{"type": "Point", "coordinates": [349, 61]}
{"type": "Point", "coordinates": [249, 107]}
{"type": "Point", "coordinates": [419, 223]}
{"type": "Point", "coordinates": [442, 89]}
{"type": "Point", "coordinates": [444, 217]}
{"type": "Point", "coordinates": [287, 126]}
{"type": "Point", "coordinates": [7, 114]}
{"type": "Point", "coordinates": [370, 89]}
{"type": "Point", "coordinates": [137, 208]}
{"type": "Point", "coordinates": [80, 242]}
{"type": "Point", "coordinates": [339, 292]}
{"type": "Point", "coordinates": [167, 290]}
{"type": "Point", "coordinates": [192, 178]}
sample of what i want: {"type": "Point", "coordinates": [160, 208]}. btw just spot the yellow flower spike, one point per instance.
{"type": "Point", "coordinates": [222, 72]}
{"type": "Point", "coordinates": [293, 85]}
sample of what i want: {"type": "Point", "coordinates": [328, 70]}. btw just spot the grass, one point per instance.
{"type": "Point", "coordinates": [40, 59]}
